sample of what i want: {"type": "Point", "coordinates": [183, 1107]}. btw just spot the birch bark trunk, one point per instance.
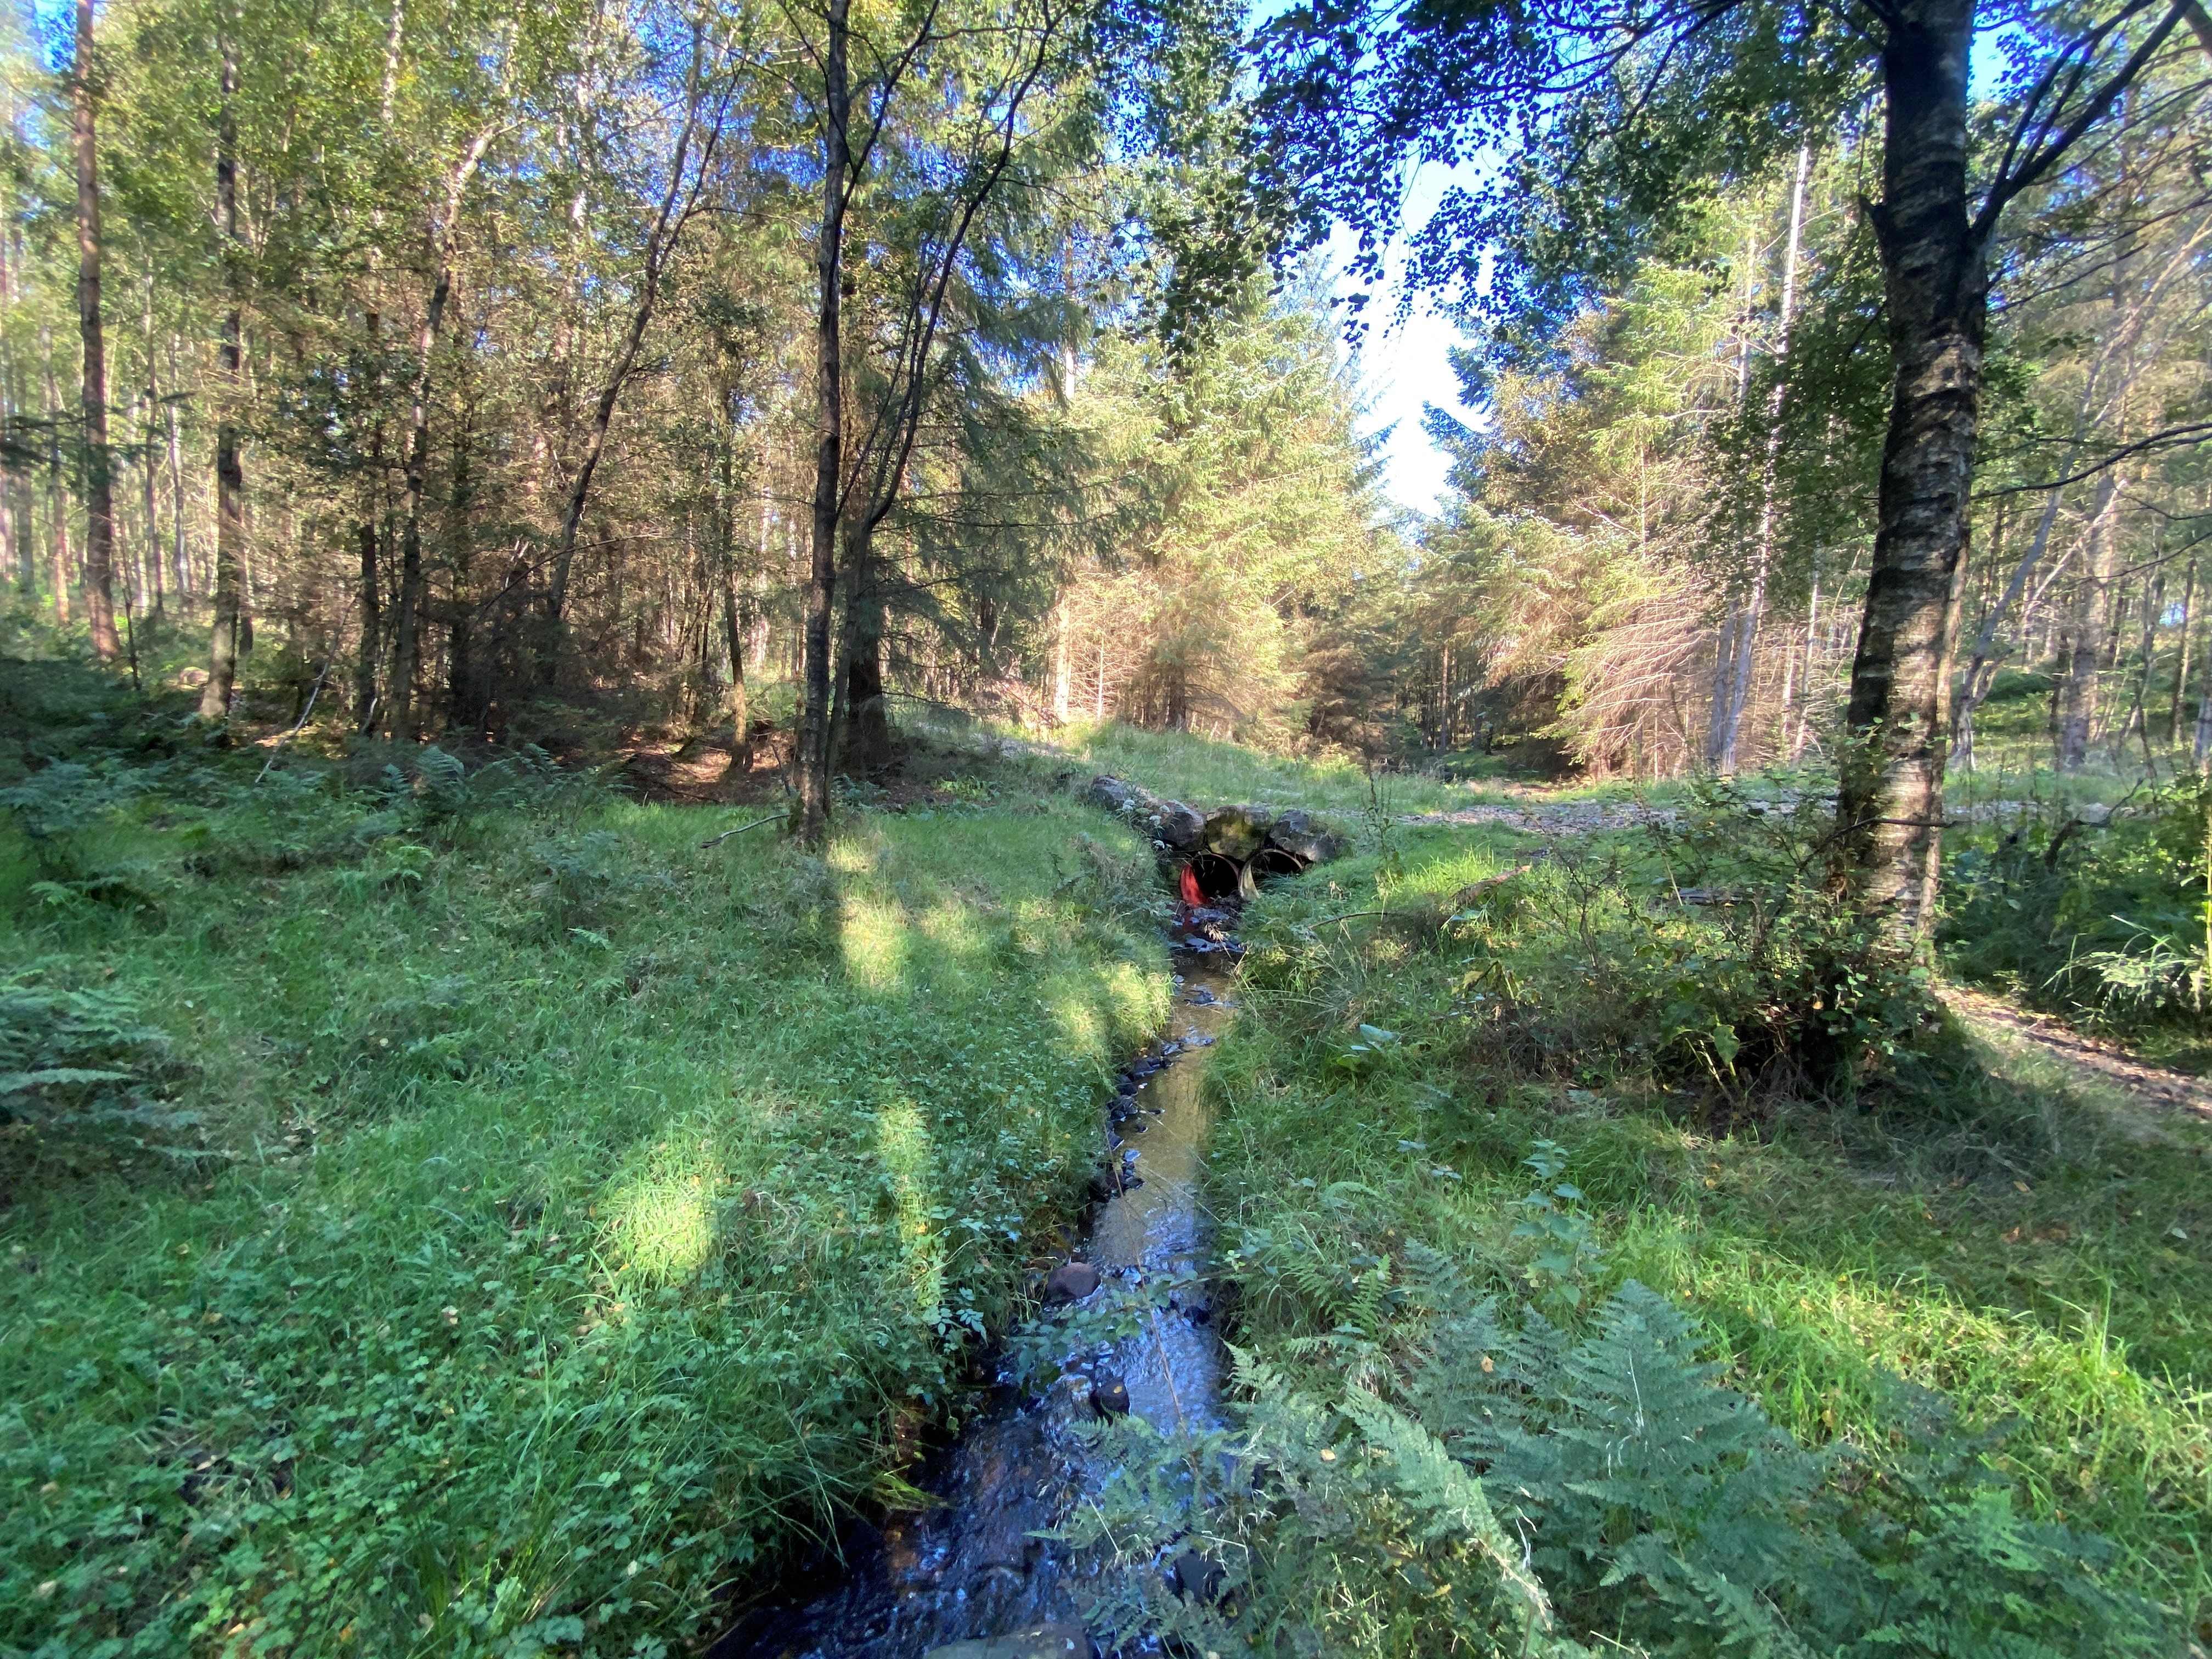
{"type": "Point", "coordinates": [1936, 281]}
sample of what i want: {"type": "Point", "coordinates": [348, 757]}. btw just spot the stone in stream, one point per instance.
{"type": "Point", "coordinates": [1109, 1396]}
{"type": "Point", "coordinates": [1237, 832]}
{"type": "Point", "coordinates": [1071, 1281]}
{"type": "Point", "coordinates": [1047, 1641]}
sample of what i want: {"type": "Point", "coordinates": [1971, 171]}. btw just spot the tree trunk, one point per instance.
{"type": "Point", "coordinates": [675, 212]}
{"type": "Point", "coordinates": [2089, 620]}
{"type": "Point", "coordinates": [2138, 724]}
{"type": "Point", "coordinates": [1754, 606]}
{"type": "Point", "coordinates": [735, 625]}
{"type": "Point", "coordinates": [98, 476]}
{"type": "Point", "coordinates": [813, 759]}
{"type": "Point", "coordinates": [57, 509]}
{"type": "Point", "coordinates": [1936, 283]}
{"type": "Point", "coordinates": [372, 624]}
{"type": "Point", "coordinates": [2181, 667]}
{"type": "Point", "coordinates": [1805, 680]}
{"type": "Point", "coordinates": [223, 637]}
{"type": "Point", "coordinates": [407, 623]}
{"type": "Point", "coordinates": [867, 744]}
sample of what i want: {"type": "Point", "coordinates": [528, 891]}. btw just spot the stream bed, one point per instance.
{"type": "Point", "coordinates": [968, 1579]}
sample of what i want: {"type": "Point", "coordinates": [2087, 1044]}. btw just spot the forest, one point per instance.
{"type": "Point", "coordinates": [763, 894]}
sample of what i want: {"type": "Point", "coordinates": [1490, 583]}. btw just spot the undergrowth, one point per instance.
{"type": "Point", "coordinates": [1935, 1338]}
{"type": "Point", "coordinates": [451, 1211]}
{"type": "Point", "coordinates": [2101, 912]}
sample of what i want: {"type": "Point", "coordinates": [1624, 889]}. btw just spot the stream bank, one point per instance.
{"type": "Point", "coordinates": [967, 1577]}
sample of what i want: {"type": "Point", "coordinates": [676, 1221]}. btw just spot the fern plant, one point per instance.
{"type": "Point", "coordinates": [1514, 1486]}
{"type": "Point", "coordinates": [80, 1067]}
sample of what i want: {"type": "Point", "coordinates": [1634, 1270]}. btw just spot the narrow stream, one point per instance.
{"type": "Point", "coordinates": [970, 1572]}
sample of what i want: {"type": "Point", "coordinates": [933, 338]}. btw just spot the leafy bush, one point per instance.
{"type": "Point", "coordinates": [1709, 953]}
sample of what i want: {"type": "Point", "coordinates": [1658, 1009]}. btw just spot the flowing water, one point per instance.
{"type": "Point", "coordinates": [972, 1570]}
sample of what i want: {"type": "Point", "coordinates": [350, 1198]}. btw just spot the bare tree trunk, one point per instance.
{"type": "Point", "coordinates": [99, 479]}
{"type": "Point", "coordinates": [57, 512]}
{"type": "Point", "coordinates": [1754, 606]}
{"type": "Point", "coordinates": [149, 499]}
{"type": "Point", "coordinates": [2139, 709]}
{"type": "Point", "coordinates": [406, 622]}
{"type": "Point", "coordinates": [229, 472]}
{"type": "Point", "coordinates": [868, 729]}
{"type": "Point", "coordinates": [179, 552]}
{"type": "Point", "coordinates": [1936, 278]}
{"type": "Point", "coordinates": [676, 205]}
{"type": "Point", "coordinates": [1063, 683]}
{"type": "Point", "coordinates": [1805, 688]}
{"type": "Point", "coordinates": [812, 760]}
{"type": "Point", "coordinates": [2181, 667]}
{"type": "Point", "coordinates": [2089, 618]}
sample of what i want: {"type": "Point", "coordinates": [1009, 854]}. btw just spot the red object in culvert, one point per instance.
{"type": "Point", "coordinates": [1186, 886]}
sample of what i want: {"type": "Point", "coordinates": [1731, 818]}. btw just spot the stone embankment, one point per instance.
{"type": "Point", "coordinates": [1220, 853]}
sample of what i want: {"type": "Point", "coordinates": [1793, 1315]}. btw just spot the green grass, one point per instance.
{"type": "Point", "coordinates": [582, 1214]}
{"type": "Point", "coordinates": [1208, 774]}
{"type": "Point", "coordinates": [2041, 1254]}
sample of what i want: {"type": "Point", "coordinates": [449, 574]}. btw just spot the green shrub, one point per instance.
{"type": "Point", "coordinates": [2103, 914]}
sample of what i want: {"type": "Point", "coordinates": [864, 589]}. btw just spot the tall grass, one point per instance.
{"type": "Point", "coordinates": [578, 1212]}
{"type": "Point", "coordinates": [1984, 1228]}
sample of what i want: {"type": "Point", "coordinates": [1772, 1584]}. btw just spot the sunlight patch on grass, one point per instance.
{"type": "Point", "coordinates": [902, 1147]}
{"type": "Point", "coordinates": [661, 1224]}
{"type": "Point", "coordinates": [876, 941]}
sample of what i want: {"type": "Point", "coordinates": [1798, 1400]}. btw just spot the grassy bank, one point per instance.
{"type": "Point", "coordinates": [502, 1219]}
{"type": "Point", "coordinates": [2039, 1259]}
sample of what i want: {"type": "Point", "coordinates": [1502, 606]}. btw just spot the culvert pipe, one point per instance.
{"type": "Point", "coordinates": [1216, 876]}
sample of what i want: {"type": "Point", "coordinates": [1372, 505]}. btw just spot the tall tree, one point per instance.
{"type": "Point", "coordinates": [225, 632]}
{"type": "Point", "coordinates": [1612, 121]}
{"type": "Point", "coordinates": [99, 473]}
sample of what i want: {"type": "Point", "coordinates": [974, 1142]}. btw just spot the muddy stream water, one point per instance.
{"type": "Point", "coordinates": [970, 1575]}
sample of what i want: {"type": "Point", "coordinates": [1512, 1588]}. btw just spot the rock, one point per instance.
{"type": "Point", "coordinates": [1116, 796]}
{"type": "Point", "coordinates": [1071, 1281]}
{"type": "Point", "coordinates": [1182, 828]}
{"type": "Point", "coordinates": [1197, 1578]}
{"type": "Point", "coordinates": [1109, 1396]}
{"type": "Point", "coordinates": [1047, 1641]}
{"type": "Point", "coordinates": [1296, 833]}
{"type": "Point", "coordinates": [1237, 832]}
